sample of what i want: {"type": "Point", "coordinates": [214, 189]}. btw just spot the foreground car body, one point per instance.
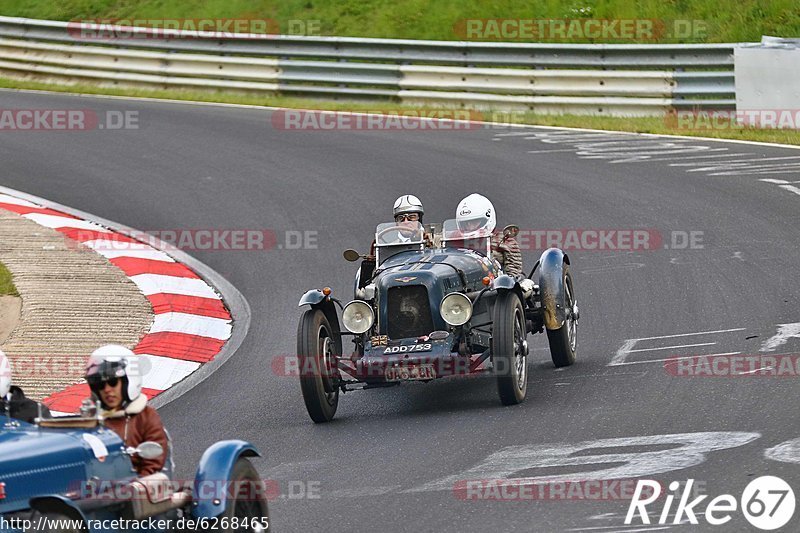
{"type": "Point", "coordinates": [425, 312]}
{"type": "Point", "coordinates": [75, 469]}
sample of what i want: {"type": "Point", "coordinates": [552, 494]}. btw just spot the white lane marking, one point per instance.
{"type": "Point", "coordinates": [785, 452]}
{"type": "Point", "coordinates": [216, 328]}
{"type": "Point", "coordinates": [672, 347]}
{"type": "Point", "coordinates": [689, 449]}
{"type": "Point", "coordinates": [108, 244]}
{"type": "Point", "coordinates": [791, 188]}
{"type": "Point", "coordinates": [612, 268]}
{"type": "Point", "coordinates": [785, 332]}
{"type": "Point", "coordinates": [157, 284]}
{"type": "Point", "coordinates": [761, 170]}
{"type": "Point", "coordinates": [617, 528]}
{"type": "Point", "coordinates": [642, 529]}
{"type": "Point", "coordinates": [164, 372]}
{"type": "Point", "coordinates": [55, 221]}
{"type": "Point", "coordinates": [623, 352]}
{"type": "Point", "coordinates": [6, 199]}
{"type": "Point", "coordinates": [627, 347]}
{"type": "Point", "coordinates": [674, 358]}
{"type": "Point", "coordinates": [771, 180]}
{"type": "Point", "coordinates": [153, 254]}
{"type": "Point", "coordinates": [361, 492]}
{"type": "Point", "coordinates": [549, 151]}
{"type": "Point", "coordinates": [690, 334]}
{"type": "Point", "coordinates": [747, 161]}
{"type": "Point", "coordinates": [759, 369]}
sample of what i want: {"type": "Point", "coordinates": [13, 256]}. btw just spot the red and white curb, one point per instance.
{"type": "Point", "coordinates": [191, 323]}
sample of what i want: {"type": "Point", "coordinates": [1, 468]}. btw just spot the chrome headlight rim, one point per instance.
{"type": "Point", "coordinates": [444, 304]}
{"type": "Point", "coordinates": [369, 313]}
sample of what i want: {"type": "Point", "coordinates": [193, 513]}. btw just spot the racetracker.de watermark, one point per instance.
{"type": "Point", "coordinates": [544, 490]}
{"type": "Point", "coordinates": [403, 119]}
{"type": "Point", "coordinates": [202, 240]}
{"type": "Point", "coordinates": [579, 29]}
{"type": "Point", "coordinates": [112, 490]}
{"type": "Point", "coordinates": [610, 239]}
{"type": "Point", "coordinates": [251, 28]}
{"type": "Point", "coordinates": [728, 119]}
{"type": "Point", "coordinates": [67, 120]}
{"type": "Point", "coordinates": [32, 367]}
{"type": "Point", "coordinates": [734, 366]}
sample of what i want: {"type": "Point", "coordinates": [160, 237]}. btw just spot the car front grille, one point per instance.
{"type": "Point", "coordinates": [408, 312]}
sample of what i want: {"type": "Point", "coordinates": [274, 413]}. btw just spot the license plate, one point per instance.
{"type": "Point", "coordinates": [410, 373]}
{"type": "Point", "coordinates": [409, 348]}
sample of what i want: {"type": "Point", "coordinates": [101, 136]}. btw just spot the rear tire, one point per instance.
{"type": "Point", "coordinates": [53, 523]}
{"type": "Point", "coordinates": [319, 376]}
{"type": "Point", "coordinates": [564, 340]}
{"type": "Point", "coordinates": [509, 348]}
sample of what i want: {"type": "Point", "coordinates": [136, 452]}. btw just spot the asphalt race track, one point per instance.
{"type": "Point", "coordinates": [391, 458]}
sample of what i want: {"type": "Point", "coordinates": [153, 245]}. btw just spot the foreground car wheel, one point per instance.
{"type": "Point", "coordinates": [564, 340]}
{"type": "Point", "coordinates": [319, 377]}
{"type": "Point", "coordinates": [510, 349]}
{"type": "Point", "coordinates": [247, 507]}
{"type": "Point", "coordinates": [52, 523]}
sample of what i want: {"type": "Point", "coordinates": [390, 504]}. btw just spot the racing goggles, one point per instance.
{"type": "Point", "coordinates": [97, 382]}
{"type": "Point", "coordinates": [411, 217]}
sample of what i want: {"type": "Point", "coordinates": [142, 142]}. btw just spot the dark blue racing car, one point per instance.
{"type": "Point", "coordinates": [429, 305]}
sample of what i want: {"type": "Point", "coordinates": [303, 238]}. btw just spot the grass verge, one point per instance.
{"type": "Point", "coordinates": [676, 20]}
{"type": "Point", "coordinates": [7, 287]}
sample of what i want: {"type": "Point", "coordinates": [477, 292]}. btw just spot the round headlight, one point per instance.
{"type": "Point", "coordinates": [456, 309]}
{"type": "Point", "coordinates": [358, 317]}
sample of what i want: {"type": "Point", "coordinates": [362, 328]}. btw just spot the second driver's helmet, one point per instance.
{"type": "Point", "coordinates": [113, 362]}
{"type": "Point", "coordinates": [406, 205]}
{"type": "Point", "coordinates": [475, 216]}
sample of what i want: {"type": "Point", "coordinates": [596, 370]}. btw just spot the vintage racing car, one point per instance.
{"type": "Point", "coordinates": [72, 474]}
{"type": "Point", "coordinates": [429, 305]}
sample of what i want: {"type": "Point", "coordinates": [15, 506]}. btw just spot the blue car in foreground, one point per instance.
{"type": "Point", "coordinates": [72, 474]}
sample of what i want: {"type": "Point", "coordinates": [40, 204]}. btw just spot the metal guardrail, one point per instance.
{"type": "Point", "coordinates": [547, 78]}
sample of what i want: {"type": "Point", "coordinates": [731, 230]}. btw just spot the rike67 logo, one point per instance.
{"type": "Point", "coordinates": [767, 502]}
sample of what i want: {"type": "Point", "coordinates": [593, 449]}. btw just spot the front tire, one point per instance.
{"type": "Point", "coordinates": [319, 376]}
{"type": "Point", "coordinates": [248, 503]}
{"type": "Point", "coordinates": [564, 340]}
{"type": "Point", "coordinates": [510, 349]}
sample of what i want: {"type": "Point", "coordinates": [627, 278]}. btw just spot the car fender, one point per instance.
{"type": "Point", "coordinates": [215, 466]}
{"type": "Point", "coordinates": [312, 298]}
{"type": "Point", "coordinates": [504, 282]}
{"type": "Point", "coordinates": [551, 286]}
{"type": "Point", "coordinates": [317, 300]}
{"type": "Point", "coordinates": [55, 504]}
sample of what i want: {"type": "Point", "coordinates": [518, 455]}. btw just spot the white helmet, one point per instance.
{"type": "Point", "coordinates": [5, 375]}
{"type": "Point", "coordinates": [408, 203]}
{"type": "Point", "coordinates": [114, 361]}
{"type": "Point", "coordinates": [475, 216]}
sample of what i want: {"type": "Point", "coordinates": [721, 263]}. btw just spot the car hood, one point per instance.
{"type": "Point", "coordinates": [36, 461]}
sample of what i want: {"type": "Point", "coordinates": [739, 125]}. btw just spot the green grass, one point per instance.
{"type": "Point", "coordinates": [743, 20]}
{"type": "Point", "coordinates": [639, 125]}
{"type": "Point", "coordinates": [7, 287]}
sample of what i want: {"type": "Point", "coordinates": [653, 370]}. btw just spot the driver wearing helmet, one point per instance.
{"type": "Point", "coordinates": [408, 208]}
{"type": "Point", "coordinates": [115, 380]}
{"type": "Point", "coordinates": [476, 217]}
{"type": "Point", "coordinates": [12, 400]}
